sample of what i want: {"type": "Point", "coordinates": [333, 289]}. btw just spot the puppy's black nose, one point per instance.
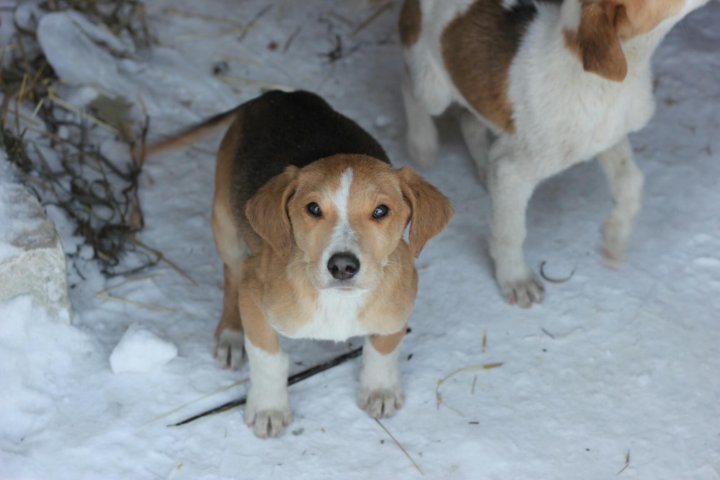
{"type": "Point", "coordinates": [343, 266]}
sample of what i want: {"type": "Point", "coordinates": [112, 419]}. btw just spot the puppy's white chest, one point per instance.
{"type": "Point", "coordinates": [335, 318]}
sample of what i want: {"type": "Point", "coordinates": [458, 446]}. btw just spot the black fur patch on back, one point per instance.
{"type": "Point", "coordinates": [297, 128]}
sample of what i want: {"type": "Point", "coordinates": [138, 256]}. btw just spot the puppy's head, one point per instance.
{"type": "Point", "coordinates": [344, 216]}
{"type": "Point", "coordinates": [605, 24]}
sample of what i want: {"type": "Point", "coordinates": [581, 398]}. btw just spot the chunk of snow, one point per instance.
{"type": "Point", "coordinates": [140, 350]}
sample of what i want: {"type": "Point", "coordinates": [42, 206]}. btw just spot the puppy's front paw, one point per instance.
{"type": "Point", "coordinates": [230, 349]}
{"type": "Point", "coordinates": [268, 423]}
{"type": "Point", "coordinates": [382, 402]}
{"type": "Point", "coordinates": [523, 292]}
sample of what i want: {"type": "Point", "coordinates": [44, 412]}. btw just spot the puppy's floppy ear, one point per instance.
{"type": "Point", "coordinates": [598, 39]}
{"type": "Point", "coordinates": [430, 211]}
{"type": "Point", "coordinates": [267, 210]}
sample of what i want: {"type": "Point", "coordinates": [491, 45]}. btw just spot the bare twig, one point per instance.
{"type": "Point", "coordinates": [293, 379]}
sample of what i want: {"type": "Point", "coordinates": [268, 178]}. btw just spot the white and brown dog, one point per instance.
{"type": "Point", "coordinates": [554, 82]}
{"type": "Point", "coordinates": [308, 218]}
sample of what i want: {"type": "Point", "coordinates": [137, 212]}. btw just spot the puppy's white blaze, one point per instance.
{"type": "Point", "coordinates": [268, 381]}
{"type": "Point", "coordinates": [343, 238]}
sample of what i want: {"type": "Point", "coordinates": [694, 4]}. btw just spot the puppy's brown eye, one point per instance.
{"type": "Point", "coordinates": [314, 209]}
{"type": "Point", "coordinates": [380, 212]}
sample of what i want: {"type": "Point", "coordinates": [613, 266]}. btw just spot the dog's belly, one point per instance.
{"type": "Point", "coordinates": [336, 317]}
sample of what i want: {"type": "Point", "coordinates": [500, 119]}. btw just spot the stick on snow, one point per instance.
{"type": "Point", "coordinates": [292, 379]}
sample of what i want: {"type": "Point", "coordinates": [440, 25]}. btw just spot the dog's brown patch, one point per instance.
{"type": "Point", "coordinates": [478, 48]}
{"type": "Point", "coordinates": [597, 42]}
{"type": "Point", "coordinates": [386, 344]}
{"type": "Point", "coordinates": [410, 22]}
{"type": "Point", "coordinates": [604, 24]}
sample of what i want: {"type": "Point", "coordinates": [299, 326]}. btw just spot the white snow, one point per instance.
{"type": "Point", "coordinates": [615, 363]}
{"type": "Point", "coordinates": [140, 351]}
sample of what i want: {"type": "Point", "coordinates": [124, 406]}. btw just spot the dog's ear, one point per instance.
{"type": "Point", "coordinates": [598, 39]}
{"type": "Point", "coordinates": [267, 210]}
{"type": "Point", "coordinates": [430, 211]}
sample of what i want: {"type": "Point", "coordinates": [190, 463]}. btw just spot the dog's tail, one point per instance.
{"type": "Point", "coordinates": [192, 134]}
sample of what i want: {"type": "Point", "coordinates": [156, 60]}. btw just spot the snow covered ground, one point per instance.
{"type": "Point", "coordinates": [615, 375]}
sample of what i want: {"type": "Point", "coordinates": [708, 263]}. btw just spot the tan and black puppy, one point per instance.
{"type": "Point", "coordinates": [309, 218]}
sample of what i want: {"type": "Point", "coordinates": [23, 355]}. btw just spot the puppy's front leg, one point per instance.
{"type": "Point", "coordinates": [511, 182]}
{"type": "Point", "coordinates": [268, 407]}
{"type": "Point", "coordinates": [381, 392]}
{"type": "Point", "coordinates": [626, 184]}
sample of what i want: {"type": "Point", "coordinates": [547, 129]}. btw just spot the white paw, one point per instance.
{"type": "Point", "coordinates": [230, 349]}
{"type": "Point", "coordinates": [615, 234]}
{"type": "Point", "coordinates": [269, 422]}
{"type": "Point", "coordinates": [422, 149]}
{"type": "Point", "coordinates": [523, 292]}
{"type": "Point", "coordinates": [382, 402]}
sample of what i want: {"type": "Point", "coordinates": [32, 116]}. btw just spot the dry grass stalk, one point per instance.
{"type": "Point", "coordinates": [399, 445]}
{"type": "Point", "coordinates": [438, 396]}
{"type": "Point", "coordinates": [256, 83]}
{"type": "Point", "coordinates": [627, 463]}
{"type": "Point", "coordinates": [374, 16]}
{"type": "Point", "coordinates": [161, 257]}
{"type": "Point", "coordinates": [106, 295]}
{"type": "Point", "coordinates": [201, 16]}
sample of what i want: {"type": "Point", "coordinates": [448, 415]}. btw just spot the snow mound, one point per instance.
{"type": "Point", "coordinates": [37, 356]}
{"type": "Point", "coordinates": [140, 350]}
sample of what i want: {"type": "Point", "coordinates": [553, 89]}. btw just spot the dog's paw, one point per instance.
{"type": "Point", "coordinates": [422, 149]}
{"type": "Point", "coordinates": [267, 423]}
{"type": "Point", "coordinates": [382, 402]}
{"type": "Point", "coordinates": [523, 292]}
{"type": "Point", "coordinates": [615, 235]}
{"type": "Point", "coordinates": [230, 349]}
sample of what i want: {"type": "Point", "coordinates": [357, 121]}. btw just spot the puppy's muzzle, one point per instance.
{"type": "Point", "coordinates": [343, 265]}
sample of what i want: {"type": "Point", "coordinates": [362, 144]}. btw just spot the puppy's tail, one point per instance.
{"type": "Point", "coordinates": [192, 134]}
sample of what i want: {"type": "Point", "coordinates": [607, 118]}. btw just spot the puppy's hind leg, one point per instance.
{"type": "Point", "coordinates": [229, 345]}
{"type": "Point", "coordinates": [477, 139]}
{"type": "Point", "coordinates": [626, 184]}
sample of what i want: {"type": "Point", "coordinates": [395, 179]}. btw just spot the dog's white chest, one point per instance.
{"type": "Point", "coordinates": [335, 318]}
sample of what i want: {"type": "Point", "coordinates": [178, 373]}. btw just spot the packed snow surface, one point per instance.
{"type": "Point", "coordinates": [614, 376]}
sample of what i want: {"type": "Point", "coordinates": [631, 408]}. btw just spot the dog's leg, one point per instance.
{"type": "Point", "coordinates": [626, 184]}
{"type": "Point", "coordinates": [422, 135]}
{"type": "Point", "coordinates": [229, 348]}
{"type": "Point", "coordinates": [381, 392]}
{"type": "Point", "coordinates": [268, 406]}
{"type": "Point", "coordinates": [477, 141]}
{"type": "Point", "coordinates": [511, 182]}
